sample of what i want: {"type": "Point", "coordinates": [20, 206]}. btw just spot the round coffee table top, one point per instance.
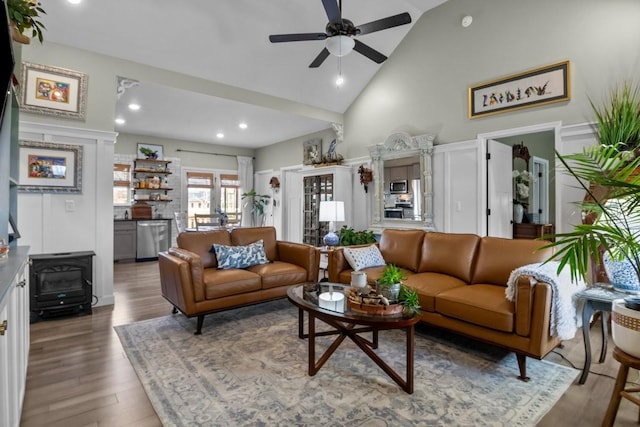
{"type": "Point", "coordinates": [306, 298]}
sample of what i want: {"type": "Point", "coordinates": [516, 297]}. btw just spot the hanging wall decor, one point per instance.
{"type": "Point", "coordinates": [530, 88]}
{"type": "Point", "coordinates": [53, 91]}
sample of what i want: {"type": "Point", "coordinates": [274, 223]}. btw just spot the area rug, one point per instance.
{"type": "Point", "coordinates": [249, 368]}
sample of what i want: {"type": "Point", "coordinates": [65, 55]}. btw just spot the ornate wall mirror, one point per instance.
{"type": "Point", "coordinates": [403, 182]}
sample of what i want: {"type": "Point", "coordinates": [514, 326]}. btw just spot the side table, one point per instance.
{"type": "Point", "coordinates": [598, 297]}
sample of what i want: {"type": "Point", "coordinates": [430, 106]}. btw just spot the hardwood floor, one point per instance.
{"type": "Point", "coordinates": [79, 374]}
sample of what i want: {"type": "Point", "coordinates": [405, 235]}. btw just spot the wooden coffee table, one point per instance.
{"type": "Point", "coordinates": [351, 324]}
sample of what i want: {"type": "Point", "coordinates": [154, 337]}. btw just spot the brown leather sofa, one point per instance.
{"type": "Point", "coordinates": [461, 281]}
{"type": "Point", "coordinates": [191, 281]}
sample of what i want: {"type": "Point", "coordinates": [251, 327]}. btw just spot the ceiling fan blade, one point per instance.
{"type": "Point", "coordinates": [279, 38]}
{"type": "Point", "coordinates": [369, 52]}
{"type": "Point", "coordinates": [332, 9]}
{"type": "Point", "coordinates": [384, 23]}
{"type": "Point", "coordinates": [320, 58]}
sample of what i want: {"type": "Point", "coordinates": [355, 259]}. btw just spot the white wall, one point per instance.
{"type": "Point", "coordinates": [48, 226]}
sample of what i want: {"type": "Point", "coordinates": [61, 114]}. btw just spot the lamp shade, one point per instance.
{"type": "Point", "coordinates": [340, 45]}
{"type": "Point", "coordinates": [331, 211]}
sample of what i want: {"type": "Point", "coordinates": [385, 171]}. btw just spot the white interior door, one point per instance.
{"type": "Point", "coordinates": [499, 190]}
{"type": "Point", "coordinates": [292, 208]}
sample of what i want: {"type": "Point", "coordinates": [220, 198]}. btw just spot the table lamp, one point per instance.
{"type": "Point", "coordinates": [331, 211]}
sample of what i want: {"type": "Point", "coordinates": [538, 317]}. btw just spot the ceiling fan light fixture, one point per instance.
{"type": "Point", "coordinates": [340, 45]}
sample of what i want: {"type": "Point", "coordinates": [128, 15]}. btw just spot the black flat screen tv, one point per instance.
{"type": "Point", "coordinates": [7, 61]}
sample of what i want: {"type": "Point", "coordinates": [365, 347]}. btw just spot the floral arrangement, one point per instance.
{"type": "Point", "coordinates": [523, 180]}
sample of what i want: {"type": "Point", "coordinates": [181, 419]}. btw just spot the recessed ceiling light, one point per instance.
{"type": "Point", "coordinates": [339, 81]}
{"type": "Point", "coordinates": [243, 125]}
{"type": "Point", "coordinates": [120, 121]}
{"type": "Point", "coordinates": [134, 107]}
{"type": "Point", "coordinates": [74, 1]}
{"type": "Point", "coordinates": [220, 135]}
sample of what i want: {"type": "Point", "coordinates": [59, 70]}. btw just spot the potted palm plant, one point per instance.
{"type": "Point", "coordinates": [616, 224]}
{"type": "Point", "coordinates": [25, 15]}
{"type": "Point", "coordinates": [608, 173]}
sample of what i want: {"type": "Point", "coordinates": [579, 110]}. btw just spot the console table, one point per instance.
{"type": "Point", "coordinates": [598, 297]}
{"type": "Point", "coordinates": [531, 230]}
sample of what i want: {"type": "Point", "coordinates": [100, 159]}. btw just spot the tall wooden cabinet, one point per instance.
{"type": "Point", "coordinates": [324, 184]}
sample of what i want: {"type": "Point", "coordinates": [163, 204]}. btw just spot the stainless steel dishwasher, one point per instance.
{"type": "Point", "coordinates": [153, 236]}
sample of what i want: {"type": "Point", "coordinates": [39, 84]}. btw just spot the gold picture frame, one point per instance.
{"type": "Point", "coordinates": [53, 91]}
{"type": "Point", "coordinates": [531, 88]}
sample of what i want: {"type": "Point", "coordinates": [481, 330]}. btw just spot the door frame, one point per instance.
{"type": "Point", "coordinates": [482, 139]}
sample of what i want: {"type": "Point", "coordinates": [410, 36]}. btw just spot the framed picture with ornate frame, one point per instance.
{"type": "Point", "coordinates": [50, 168]}
{"type": "Point", "coordinates": [312, 152]}
{"type": "Point", "coordinates": [539, 86]}
{"type": "Point", "coordinates": [53, 91]}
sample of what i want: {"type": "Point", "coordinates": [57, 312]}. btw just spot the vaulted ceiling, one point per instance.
{"type": "Point", "coordinates": [227, 42]}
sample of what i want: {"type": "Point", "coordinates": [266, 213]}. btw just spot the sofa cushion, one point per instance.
{"type": "Point", "coordinates": [200, 242]}
{"type": "Point", "coordinates": [363, 257]}
{"type": "Point", "coordinates": [484, 305]}
{"type": "Point", "coordinates": [245, 235]}
{"type": "Point", "coordinates": [402, 247]}
{"type": "Point", "coordinates": [429, 285]}
{"type": "Point", "coordinates": [498, 257]}
{"type": "Point", "coordinates": [224, 283]}
{"type": "Point", "coordinates": [240, 256]}
{"type": "Point", "coordinates": [279, 273]}
{"type": "Point", "coordinates": [449, 253]}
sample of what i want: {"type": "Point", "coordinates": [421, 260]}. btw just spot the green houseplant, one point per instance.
{"type": "Point", "coordinates": [618, 118]}
{"type": "Point", "coordinates": [609, 175]}
{"type": "Point", "coordinates": [25, 14]}
{"type": "Point", "coordinates": [348, 236]}
{"type": "Point", "coordinates": [390, 286]}
{"type": "Point", "coordinates": [257, 202]}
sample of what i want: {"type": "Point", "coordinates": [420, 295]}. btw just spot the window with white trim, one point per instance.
{"type": "Point", "coordinates": [121, 184]}
{"type": "Point", "coordinates": [200, 186]}
{"type": "Point", "coordinates": [230, 197]}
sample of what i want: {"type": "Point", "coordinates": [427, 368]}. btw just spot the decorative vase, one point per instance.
{"type": "Point", "coordinates": [518, 213]}
{"type": "Point", "coordinates": [625, 328]}
{"type": "Point", "coordinates": [621, 274]}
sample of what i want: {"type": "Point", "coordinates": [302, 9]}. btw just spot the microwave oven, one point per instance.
{"type": "Point", "coordinates": [399, 187]}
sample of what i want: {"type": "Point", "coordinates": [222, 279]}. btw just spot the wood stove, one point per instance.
{"type": "Point", "coordinates": [61, 283]}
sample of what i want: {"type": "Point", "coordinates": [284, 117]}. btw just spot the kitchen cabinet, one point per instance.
{"type": "Point", "coordinates": [150, 180]}
{"type": "Point", "coordinates": [415, 171]}
{"type": "Point", "coordinates": [399, 173]}
{"type": "Point", "coordinates": [124, 240]}
{"type": "Point", "coordinates": [14, 334]}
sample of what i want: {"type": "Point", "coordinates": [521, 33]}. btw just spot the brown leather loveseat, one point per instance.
{"type": "Point", "coordinates": [192, 282]}
{"type": "Point", "coordinates": [461, 281]}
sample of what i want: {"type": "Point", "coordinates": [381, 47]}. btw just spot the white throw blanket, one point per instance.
{"type": "Point", "coordinates": [565, 318]}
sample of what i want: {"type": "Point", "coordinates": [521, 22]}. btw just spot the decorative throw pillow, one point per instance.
{"type": "Point", "coordinates": [240, 256]}
{"type": "Point", "coordinates": [359, 258]}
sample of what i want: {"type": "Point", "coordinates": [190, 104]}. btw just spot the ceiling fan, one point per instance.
{"type": "Point", "coordinates": [340, 34]}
